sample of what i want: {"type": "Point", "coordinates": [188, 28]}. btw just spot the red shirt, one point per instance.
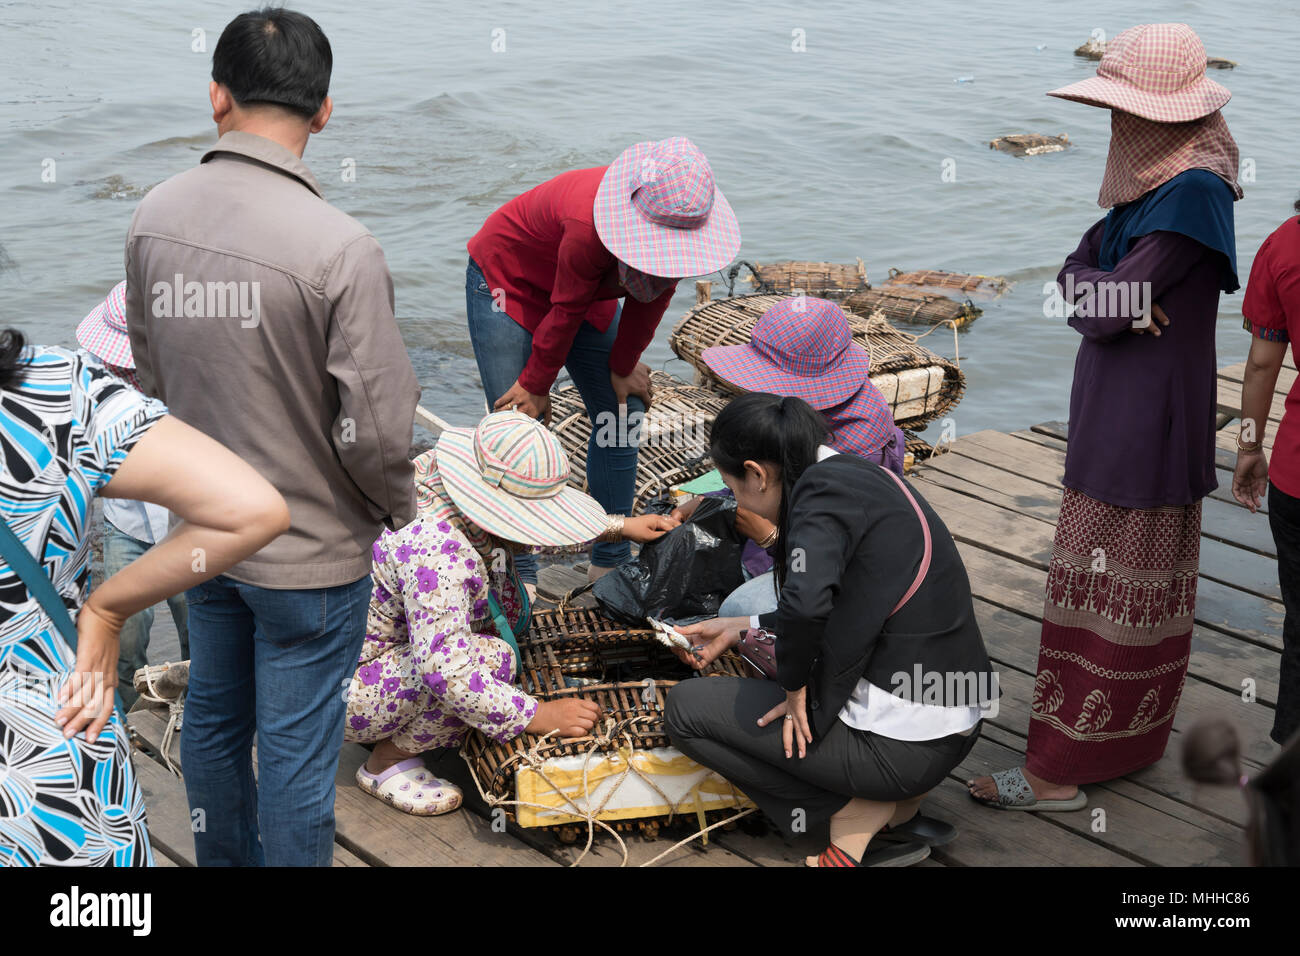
{"type": "Point", "coordinates": [542, 250]}
{"type": "Point", "coordinates": [1272, 311]}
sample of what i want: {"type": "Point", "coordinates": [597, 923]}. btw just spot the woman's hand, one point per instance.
{"type": "Point", "coordinates": [1250, 478]}
{"type": "Point", "coordinates": [645, 528]}
{"type": "Point", "coordinates": [525, 402]}
{"type": "Point", "coordinates": [687, 508]}
{"type": "Point", "coordinates": [569, 717]}
{"type": "Point", "coordinates": [1159, 318]}
{"type": "Point", "coordinates": [87, 697]}
{"type": "Point", "coordinates": [711, 639]}
{"type": "Point", "coordinates": [795, 731]}
{"type": "Point", "coordinates": [637, 383]}
{"type": "Point", "coordinates": [753, 526]}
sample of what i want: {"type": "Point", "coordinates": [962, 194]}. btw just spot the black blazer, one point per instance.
{"type": "Point", "coordinates": [852, 549]}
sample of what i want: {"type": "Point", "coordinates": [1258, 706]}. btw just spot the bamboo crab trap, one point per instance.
{"type": "Point", "coordinates": [624, 776]}
{"type": "Point", "coordinates": [918, 384]}
{"type": "Point", "coordinates": [829, 280]}
{"type": "Point", "coordinates": [992, 286]}
{"type": "Point", "coordinates": [674, 436]}
{"type": "Point", "coordinates": [901, 304]}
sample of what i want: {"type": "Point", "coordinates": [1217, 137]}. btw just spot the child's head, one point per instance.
{"type": "Point", "coordinates": [1212, 754]}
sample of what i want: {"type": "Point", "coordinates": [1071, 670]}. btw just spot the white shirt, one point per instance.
{"type": "Point", "coordinates": [142, 520]}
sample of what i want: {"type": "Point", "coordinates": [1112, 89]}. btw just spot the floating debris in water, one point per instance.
{"type": "Point", "coordinates": [964, 79]}
{"type": "Point", "coordinates": [970, 283]}
{"type": "Point", "coordinates": [1030, 144]}
{"type": "Point", "coordinates": [115, 187]}
{"type": "Point", "coordinates": [1095, 49]}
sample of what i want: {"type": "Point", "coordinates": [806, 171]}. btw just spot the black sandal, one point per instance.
{"type": "Point", "coordinates": [921, 829]}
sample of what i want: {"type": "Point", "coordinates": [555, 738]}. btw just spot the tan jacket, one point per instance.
{"type": "Point", "coordinates": [263, 316]}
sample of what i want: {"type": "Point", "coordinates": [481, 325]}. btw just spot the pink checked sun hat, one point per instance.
{"type": "Point", "coordinates": [1156, 71]}
{"type": "Point", "coordinates": [658, 210]}
{"type": "Point", "coordinates": [103, 332]}
{"type": "Point", "coordinates": [510, 477]}
{"type": "Point", "coordinates": [801, 347]}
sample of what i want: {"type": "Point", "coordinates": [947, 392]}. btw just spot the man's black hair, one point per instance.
{"type": "Point", "coordinates": [274, 56]}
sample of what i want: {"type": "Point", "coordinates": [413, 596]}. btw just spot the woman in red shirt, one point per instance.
{"type": "Point", "coordinates": [1272, 315]}
{"type": "Point", "coordinates": [545, 273]}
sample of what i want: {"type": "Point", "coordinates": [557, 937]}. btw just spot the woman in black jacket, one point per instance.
{"type": "Point", "coordinates": [881, 673]}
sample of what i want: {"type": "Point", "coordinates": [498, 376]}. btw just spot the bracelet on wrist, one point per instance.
{"type": "Point", "coordinates": [614, 531]}
{"type": "Point", "coordinates": [770, 539]}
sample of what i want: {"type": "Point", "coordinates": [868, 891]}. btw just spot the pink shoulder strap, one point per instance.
{"type": "Point", "coordinates": [925, 531]}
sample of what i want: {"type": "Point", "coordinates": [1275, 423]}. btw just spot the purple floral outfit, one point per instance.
{"type": "Point", "coordinates": [433, 665]}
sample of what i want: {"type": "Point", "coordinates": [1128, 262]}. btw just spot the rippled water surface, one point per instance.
{"type": "Point", "coordinates": [831, 153]}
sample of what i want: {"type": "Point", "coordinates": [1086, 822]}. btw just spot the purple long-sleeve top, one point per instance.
{"type": "Point", "coordinates": [1142, 407]}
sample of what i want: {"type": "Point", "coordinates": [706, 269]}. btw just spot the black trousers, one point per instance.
{"type": "Point", "coordinates": [714, 721]}
{"type": "Point", "coordinates": [1284, 520]}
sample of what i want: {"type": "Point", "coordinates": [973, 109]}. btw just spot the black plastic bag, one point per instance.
{"type": "Point", "coordinates": [682, 577]}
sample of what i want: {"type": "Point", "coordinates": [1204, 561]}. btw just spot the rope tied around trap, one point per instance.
{"type": "Point", "coordinates": [602, 742]}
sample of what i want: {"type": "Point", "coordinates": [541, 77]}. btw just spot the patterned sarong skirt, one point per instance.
{"type": "Point", "coordinates": [1117, 634]}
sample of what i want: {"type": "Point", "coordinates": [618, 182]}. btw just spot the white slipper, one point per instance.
{"type": "Point", "coordinates": [409, 787]}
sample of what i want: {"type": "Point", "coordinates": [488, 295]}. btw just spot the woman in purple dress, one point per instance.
{"type": "Point", "coordinates": [1145, 283]}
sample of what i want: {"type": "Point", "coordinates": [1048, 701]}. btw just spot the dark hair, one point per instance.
{"type": "Point", "coordinates": [785, 432]}
{"type": "Point", "coordinates": [1297, 205]}
{"type": "Point", "coordinates": [12, 343]}
{"type": "Point", "coordinates": [1212, 754]}
{"type": "Point", "coordinates": [274, 56]}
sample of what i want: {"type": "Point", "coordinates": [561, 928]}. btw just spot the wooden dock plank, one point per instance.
{"type": "Point", "coordinates": [1137, 823]}
{"type": "Point", "coordinates": [383, 836]}
{"type": "Point", "coordinates": [168, 811]}
{"type": "Point", "coordinates": [1237, 373]}
{"type": "Point", "coordinates": [1228, 399]}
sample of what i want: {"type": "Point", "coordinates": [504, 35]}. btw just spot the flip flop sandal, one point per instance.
{"type": "Point", "coordinates": [920, 829]}
{"type": "Point", "coordinates": [1015, 793]}
{"type": "Point", "coordinates": [409, 787]}
{"type": "Point", "coordinates": [898, 854]}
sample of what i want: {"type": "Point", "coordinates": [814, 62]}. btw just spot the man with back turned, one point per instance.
{"type": "Point", "coordinates": [264, 317]}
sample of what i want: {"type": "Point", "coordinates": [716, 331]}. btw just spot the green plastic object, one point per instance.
{"type": "Point", "coordinates": [709, 481]}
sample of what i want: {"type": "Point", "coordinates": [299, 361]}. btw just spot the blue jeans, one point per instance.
{"type": "Point", "coordinates": [755, 596]}
{"type": "Point", "coordinates": [502, 347]}
{"type": "Point", "coordinates": [120, 549]}
{"type": "Point", "coordinates": [274, 663]}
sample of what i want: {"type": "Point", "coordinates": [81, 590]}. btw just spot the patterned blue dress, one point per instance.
{"type": "Point", "coordinates": [64, 430]}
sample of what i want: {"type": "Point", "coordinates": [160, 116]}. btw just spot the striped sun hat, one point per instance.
{"type": "Point", "coordinates": [1155, 71]}
{"type": "Point", "coordinates": [510, 476]}
{"type": "Point", "coordinates": [658, 210]}
{"type": "Point", "coordinates": [103, 332]}
{"type": "Point", "coordinates": [800, 346]}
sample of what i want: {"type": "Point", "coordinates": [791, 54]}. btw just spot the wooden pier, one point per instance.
{"type": "Point", "coordinates": [999, 495]}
